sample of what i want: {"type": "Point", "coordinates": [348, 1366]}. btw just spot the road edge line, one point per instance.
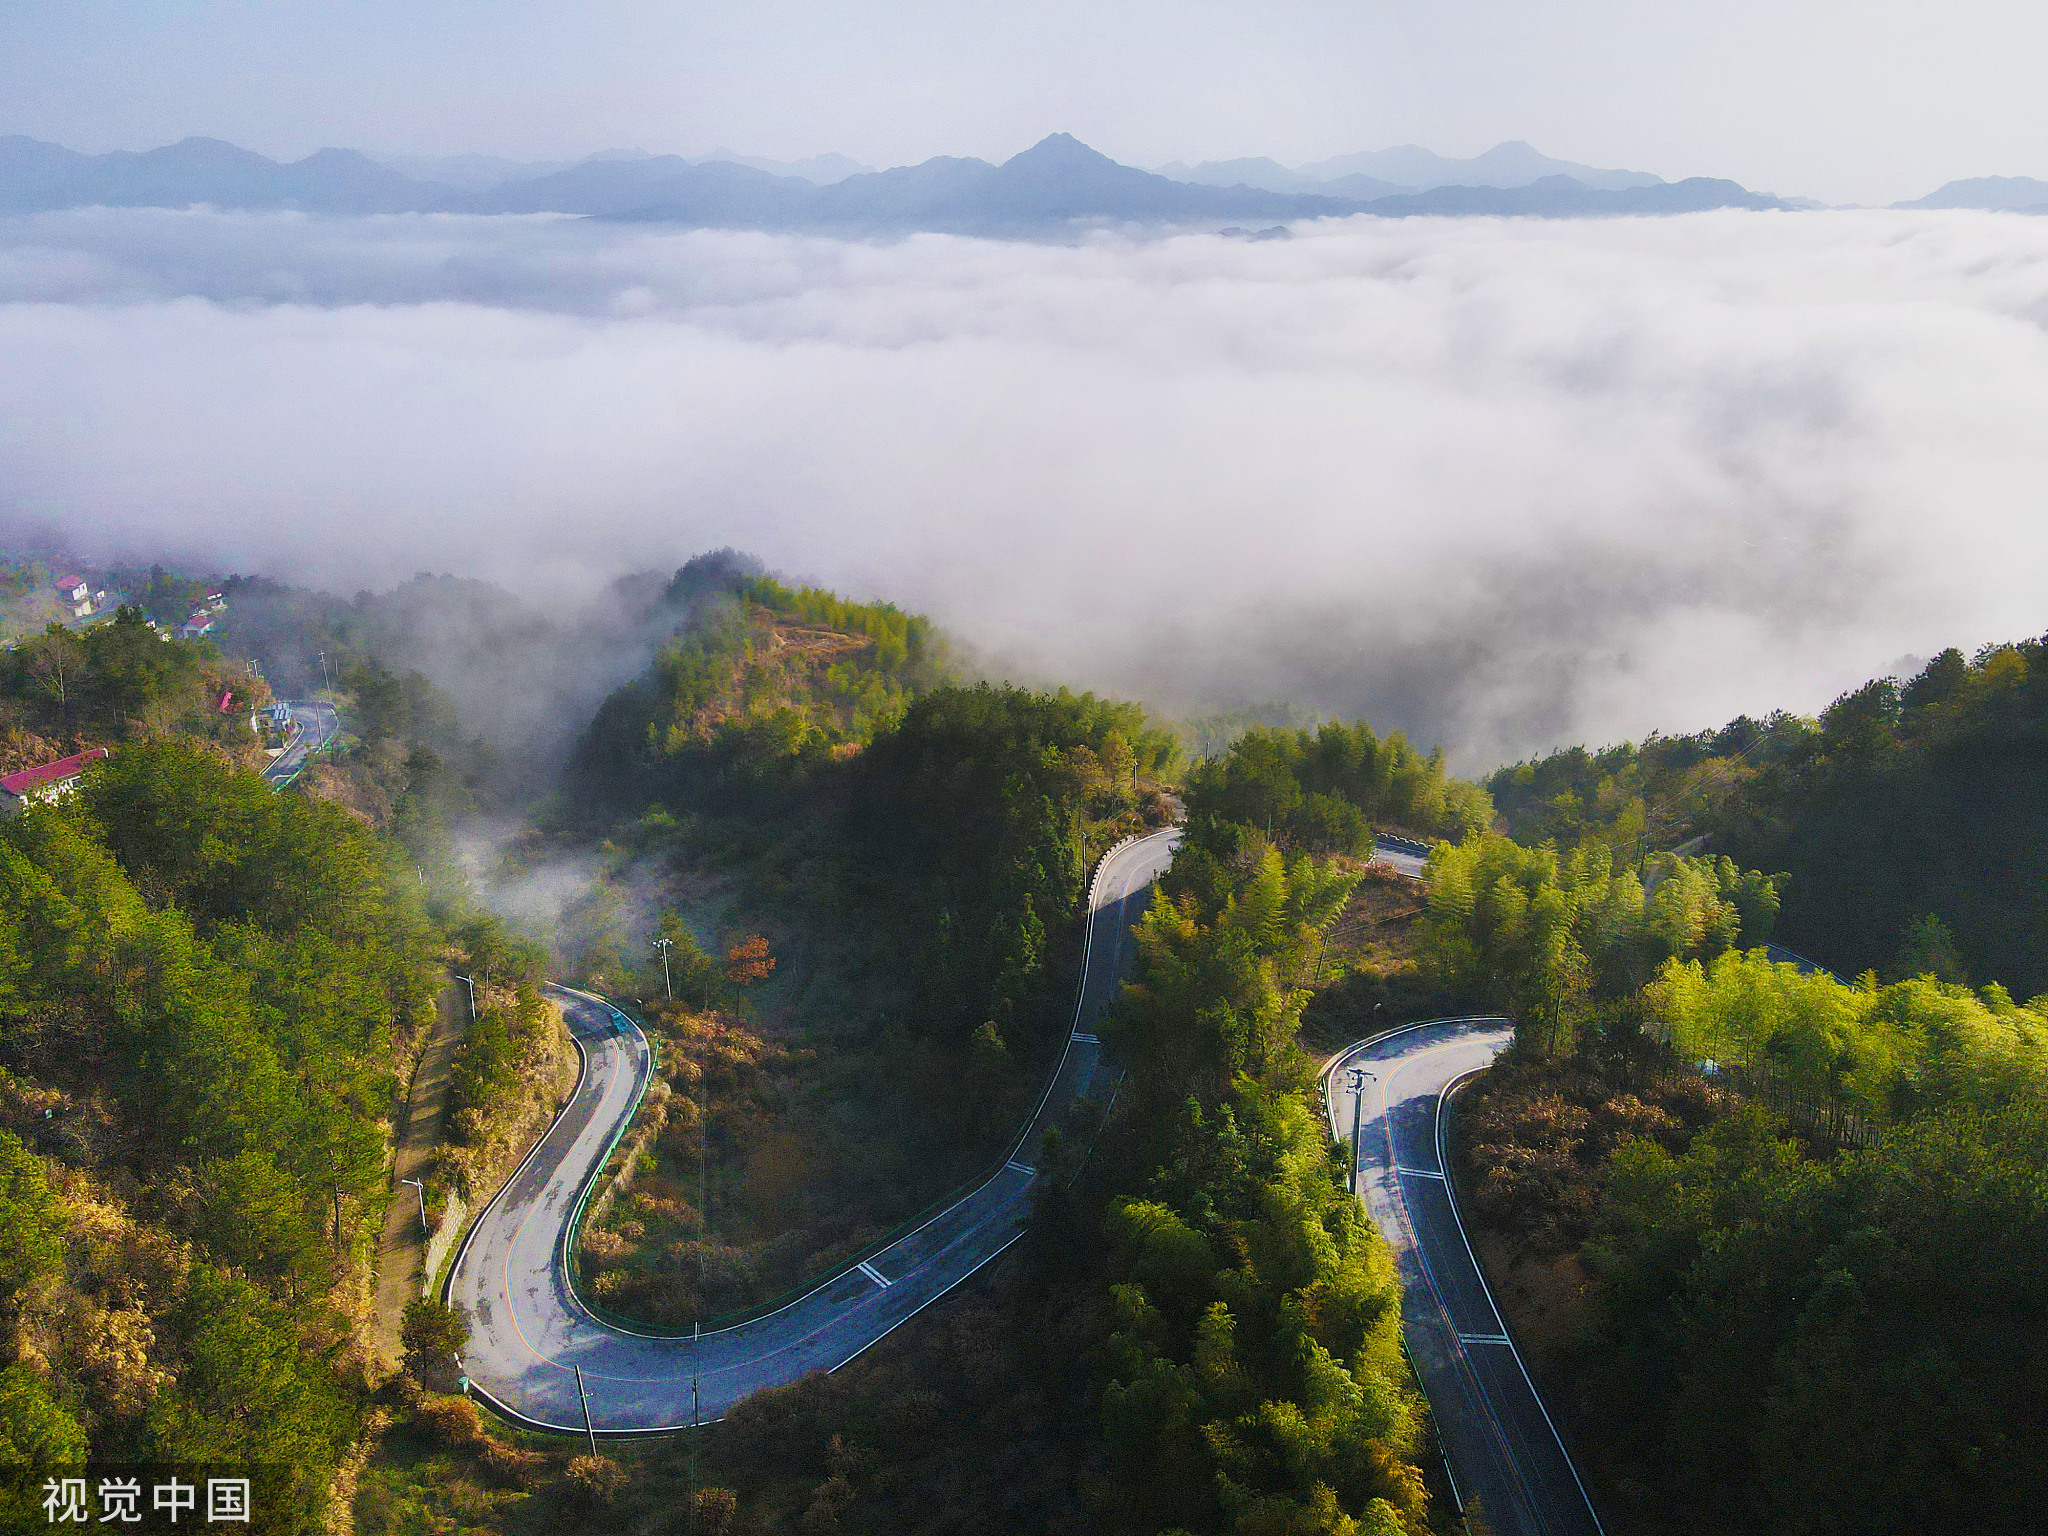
{"type": "Point", "coordinates": [1450, 1185]}
{"type": "Point", "coordinates": [1052, 1082]}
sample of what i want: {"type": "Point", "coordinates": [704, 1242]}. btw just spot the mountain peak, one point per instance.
{"type": "Point", "coordinates": [1060, 149]}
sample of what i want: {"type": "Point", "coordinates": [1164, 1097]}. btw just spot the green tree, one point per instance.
{"type": "Point", "coordinates": [1929, 949]}
{"type": "Point", "coordinates": [31, 1220]}
{"type": "Point", "coordinates": [35, 1430]}
{"type": "Point", "coordinates": [434, 1335]}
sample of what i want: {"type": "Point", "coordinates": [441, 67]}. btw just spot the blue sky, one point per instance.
{"type": "Point", "coordinates": [1841, 99]}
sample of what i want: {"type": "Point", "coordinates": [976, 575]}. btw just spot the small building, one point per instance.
{"type": "Point", "coordinates": [75, 593]}
{"type": "Point", "coordinates": [50, 781]}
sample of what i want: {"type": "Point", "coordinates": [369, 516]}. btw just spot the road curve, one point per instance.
{"type": "Point", "coordinates": [1497, 1436]}
{"type": "Point", "coordinates": [314, 726]}
{"type": "Point", "coordinates": [529, 1333]}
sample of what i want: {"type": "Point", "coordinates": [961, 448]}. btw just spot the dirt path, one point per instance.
{"type": "Point", "coordinates": [402, 1249]}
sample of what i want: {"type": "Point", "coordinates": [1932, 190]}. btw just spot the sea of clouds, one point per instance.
{"type": "Point", "coordinates": [1505, 484]}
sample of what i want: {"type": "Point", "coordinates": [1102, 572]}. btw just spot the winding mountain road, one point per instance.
{"type": "Point", "coordinates": [314, 725]}
{"type": "Point", "coordinates": [1497, 1436]}
{"type": "Point", "coordinates": [530, 1333]}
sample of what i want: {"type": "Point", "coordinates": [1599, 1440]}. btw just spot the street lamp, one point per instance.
{"type": "Point", "coordinates": [1354, 1079]}
{"type": "Point", "coordinates": [472, 995]}
{"type": "Point", "coordinates": [422, 1188]}
{"type": "Point", "coordinates": [664, 945]}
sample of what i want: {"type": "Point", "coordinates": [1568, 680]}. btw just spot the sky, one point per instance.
{"type": "Point", "coordinates": [1504, 484]}
{"type": "Point", "coordinates": [1845, 100]}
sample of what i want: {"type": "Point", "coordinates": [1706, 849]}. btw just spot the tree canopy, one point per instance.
{"type": "Point", "coordinates": [1901, 801]}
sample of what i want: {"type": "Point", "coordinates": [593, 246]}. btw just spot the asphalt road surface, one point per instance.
{"type": "Point", "coordinates": [314, 725]}
{"type": "Point", "coordinates": [1498, 1437]}
{"type": "Point", "coordinates": [529, 1332]}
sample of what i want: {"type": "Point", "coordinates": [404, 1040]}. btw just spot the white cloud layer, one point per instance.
{"type": "Point", "coordinates": [1507, 484]}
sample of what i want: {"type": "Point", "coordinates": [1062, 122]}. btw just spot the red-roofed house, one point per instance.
{"type": "Point", "coordinates": [51, 781]}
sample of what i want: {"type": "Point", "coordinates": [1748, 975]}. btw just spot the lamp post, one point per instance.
{"type": "Point", "coordinates": [1355, 1079]}
{"type": "Point", "coordinates": [471, 980]}
{"type": "Point", "coordinates": [664, 945]}
{"type": "Point", "coordinates": [422, 1188]}
{"type": "Point", "coordinates": [583, 1397]}
{"type": "Point", "coordinates": [695, 1495]}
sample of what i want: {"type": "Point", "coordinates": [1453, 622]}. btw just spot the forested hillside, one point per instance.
{"type": "Point", "coordinates": [1325, 790]}
{"type": "Point", "coordinates": [1244, 1347]}
{"type": "Point", "coordinates": [1775, 1237]}
{"type": "Point", "coordinates": [64, 690]}
{"type": "Point", "coordinates": [1560, 942]}
{"type": "Point", "coordinates": [946, 865]}
{"type": "Point", "coordinates": [204, 985]}
{"type": "Point", "coordinates": [1201, 1331]}
{"type": "Point", "coordinates": [1902, 801]}
{"type": "Point", "coordinates": [525, 674]}
{"type": "Point", "coordinates": [763, 681]}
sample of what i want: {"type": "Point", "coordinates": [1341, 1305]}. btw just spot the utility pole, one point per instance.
{"type": "Point", "coordinates": [664, 945]}
{"type": "Point", "coordinates": [1355, 1077]}
{"type": "Point", "coordinates": [703, 1194]}
{"type": "Point", "coordinates": [324, 683]}
{"type": "Point", "coordinates": [584, 1398]}
{"type": "Point", "coordinates": [422, 1188]}
{"type": "Point", "coordinates": [693, 1453]}
{"type": "Point", "coordinates": [472, 996]}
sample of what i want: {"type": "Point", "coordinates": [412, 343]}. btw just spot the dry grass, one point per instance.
{"type": "Point", "coordinates": [1380, 929]}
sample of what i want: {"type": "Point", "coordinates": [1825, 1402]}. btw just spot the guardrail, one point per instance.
{"type": "Point", "coordinates": [1402, 844]}
{"type": "Point", "coordinates": [902, 1229]}
{"type": "Point", "coordinates": [571, 1251]}
{"type": "Point", "coordinates": [311, 752]}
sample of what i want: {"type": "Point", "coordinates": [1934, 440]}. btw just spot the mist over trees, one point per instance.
{"type": "Point", "coordinates": [521, 679]}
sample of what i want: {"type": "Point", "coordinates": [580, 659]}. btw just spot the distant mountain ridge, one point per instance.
{"type": "Point", "coordinates": [2003, 194]}
{"type": "Point", "coordinates": [1564, 197]}
{"type": "Point", "coordinates": [1407, 168]}
{"type": "Point", "coordinates": [35, 176]}
{"type": "Point", "coordinates": [1059, 183]}
{"type": "Point", "coordinates": [479, 173]}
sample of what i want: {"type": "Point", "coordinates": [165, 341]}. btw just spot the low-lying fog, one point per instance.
{"type": "Point", "coordinates": [1506, 484]}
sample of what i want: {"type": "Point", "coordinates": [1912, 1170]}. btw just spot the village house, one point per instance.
{"type": "Point", "coordinates": [50, 781]}
{"type": "Point", "coordinates": [75, 592]}
{"type": "Point", "coordinates": [205, 618]}
{"type": "Point", "coordinates": [81, 596]}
